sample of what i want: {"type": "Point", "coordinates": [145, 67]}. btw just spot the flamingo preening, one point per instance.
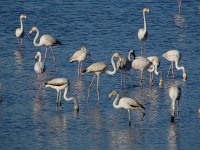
{"type": "Point", "coordinates": [80, 56]}
{"type": "Point", "coordinates": [46, 40]}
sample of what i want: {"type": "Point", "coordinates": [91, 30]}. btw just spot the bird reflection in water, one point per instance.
{"type": "Point", "coordinates": [172, 137]}
{"type": "Point", "coordinates": [19, 55]}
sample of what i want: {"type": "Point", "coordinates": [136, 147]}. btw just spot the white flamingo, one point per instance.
{"type": "Point", "coordinates": [141, 63]}
{"type": "Point", "coordinates": [142, 32]}
{"type": "Point", "coordinates": [80, 56]}
{"type": "Point", "coordinates": [62, 84]}
{"type": "Point", "coordinates": [20, 31]}
{"type": "Point", "coordinates": [46, 40]}
{"type": "Point", "coordinates": [39, 66]}
{"type": "Point", "coordinates": [156, 62]}
{"type": "Point", "coordinates": [100, 67]}
{"type": "Point", "coordinates": [124, 64]}
{"type": "Point", "coordinates": [126, 103]}
{"type": "Point", "coordinates": [174, 94]}
{"type": "Point", "coordinates": [174, 56]}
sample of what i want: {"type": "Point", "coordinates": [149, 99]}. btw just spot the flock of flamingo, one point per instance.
{"type": "Point", "coordinates": [150, 64]}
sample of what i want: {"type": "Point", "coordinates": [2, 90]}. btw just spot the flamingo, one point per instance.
{"type": "Point", "coordinates": [174, 94]}
{"type": "Point", "coordinates": [126, 103]}
{"type": "Point", "coordinates": [46, 40]}
{"type": "Point", "coordinates": [39, 66]}
{"type": "Point", "coordinates": [141, 63]}
{"type": "Point", "coordinates": [174, 56]}
{"type": "Point", "coordinates": [179, 6]}
{"type": "Point", "coordinates": [124, 64]}
{"type": "Point", "coordinates": [62, 84]}
{"type": "Point", "coordinates": [100, 67]}
{"type": "Point", "coordinates": [156, 62]}
{"type": "Point", "coordinates": [142, 32]}
{"type": "Point", "coordinates": [80, 56]}
{"type": "Point", "coordinates": [20, 31]}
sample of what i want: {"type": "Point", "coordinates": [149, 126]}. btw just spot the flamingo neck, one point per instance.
{"type": "Point", "coordinates": [40, 58]}
{"type": "Point", "coordinates": [179, 68]}
{"type": "Point", "coordinates": [69, 98]}
{"type": "Point", "coordinates": [145, 25]}
{"type": "Point", "coordinates": [21, 23]}
{"type": "Point", "coordinates": [116, 102]}
{"type": "Point", "coordinates": [35, 39]}
{"type": "Point", "coordinates": [114, 67]}
{"type": "Point", "coordinates": [129, 55]}
{"type": "Point", "coordinates": [151, 68]}
{"type": "Point", "coordinates": [156, 70]}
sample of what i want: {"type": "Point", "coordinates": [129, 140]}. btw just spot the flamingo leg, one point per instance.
{"type": "Point", "coordinates": [141, 49]}
{"type": "Point", "coordinates": [45, 55]}
{"type": "Point", "coordinates": [91, 86]}
{"type": "Point", "coordinates": [54, 58]}
{"type": "Point", "coordinates": [57, 98]}
{"type": "Point", "coordinates": [98, 86]}
{"type": "Point", "coordinates": [172, 70]}
{"type": "Point", "coordinates": [78, 70]}
{"type": "Point", "coordinates": [129, 117]}
{"type": "Point", "coordinates": [169, 70]}
{"type": "Point", "coordinates": [60, 98]}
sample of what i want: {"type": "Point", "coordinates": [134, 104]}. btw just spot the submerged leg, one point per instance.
{"type": "Point", "coordinates": [169, 70]}
{"type": "Point", "coordinates": [54, 59]}
{"type": "Point", "coordinates": [57, 99]}
{"type": "Point", "coordinates": [129, 117]}
{"type": "Point", "coordinates": [45, 55]}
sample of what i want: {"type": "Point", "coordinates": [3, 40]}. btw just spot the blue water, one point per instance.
{"type": "Point", "coordinates": [28, 116]}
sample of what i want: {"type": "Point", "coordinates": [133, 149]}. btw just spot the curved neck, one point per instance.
{"type": "Point", "coordinates": [116, 102]}
{"type": "Point", "coordinates": [114, 67]}
{"type": "Point", "coordinates": [37, 35]}
{"type": "Point", "coordinates": [179, 68]}
{"type": "Point", "coordinates": [145, 26]}
{"type": "Point", "coordinates": [69, 98]}
{"type": "Point", "coordinates": [129, 55]}
{"type": "Point", "coordinates": [40, 58]}
{"type": "Point", "coordinates": [151, 68]}
{"type": "Point", "coordinates": [156, 70]}
{"type": "Point", "coordinates": [21, 23]}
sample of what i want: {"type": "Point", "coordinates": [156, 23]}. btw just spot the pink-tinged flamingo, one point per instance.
{"type": "Point", "coordinates": [20, 31]}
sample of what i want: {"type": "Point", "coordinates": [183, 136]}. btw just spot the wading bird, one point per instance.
{"type": "Point", "coordinates": [20, 31]}
{"type": "Point", "coordinates": [174, 56]}
{"type": "Point", "coordinates": [80, 56]}
{"type": "Point", "coordinates": [174, 94]}
{"type": "Point", "coordinates": [39, 67]}
{"type": "Point", "coordinates": [61, 84]}
{"type": "Point", "coordinates": [156, 62]}
{"type": "Point", "coordinates": [124, 65]}
{"type": "Point", "coordinates": [141, 63]}
{"type": "Point", "coordinates": [142, 32]}
{"type": "Point", "coordinates": [126, 103]}
{"type": "Point", "coordinates": [46, 40]}
{"type": "Point", "coordinates": [100, 67]}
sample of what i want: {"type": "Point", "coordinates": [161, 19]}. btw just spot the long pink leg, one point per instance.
{"type": "Point", "coordinates": [98, 86]}
{"type": "Point", "coordinates": [78, 70]}
{"type": "Point", "coordinates": [54, 59]}
{"type": "Point", "coordinates": [172, 70]}
{"type": "Point", "coordinates": [91, 85]}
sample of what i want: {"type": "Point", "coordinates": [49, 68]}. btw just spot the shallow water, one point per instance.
{"type": "Point", "coordinates": [28, 116]}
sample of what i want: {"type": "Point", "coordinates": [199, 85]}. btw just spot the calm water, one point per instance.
{"type": "Point", "coordinates": [28, 117]}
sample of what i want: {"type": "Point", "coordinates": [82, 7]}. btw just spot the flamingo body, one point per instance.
{"type": "Point", "coordinates": [125, 103]}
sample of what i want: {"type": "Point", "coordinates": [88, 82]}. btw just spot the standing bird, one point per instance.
{"type": "Point", "coordinates": [174, 56]}
{"type": "Point", "coordinates": [46, 40]}
{"type": "Point", "coordinates": [20, 31]}
{"type": "Point", "coordinates": [124, 65]}
{"type": "Point", "coordinates": [126, 103]}
{"type": "Point", "coordinates": [156, 62]}
{"type": "Point", "coordinates": [142, 32]}
{"type": "Point", "coordinates": [174, 94]}
{"type": "Point", "coordinates": [80, 56]}
{"type": "Point", "coordinates": [39, 67]}
{"type": "Point", "coordinates": [61, 84]}
{"type": "Point", "coordinates": [100, 67]}
{"type": "Point", "coordinates": [141, 63]}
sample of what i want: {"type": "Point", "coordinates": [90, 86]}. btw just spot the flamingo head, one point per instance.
{"type": "Point", "coordinates": [23, 17]}
{"type": "Point", "coordinates": [38, 53]}
{"type": "Point", "coordinates": [32, 30]}
{"type": "Point", "coordinates": [132, 52]}
{"type": "Point", "coordinates": [117, 55]}
{"type": "Point", "coordinates": [184, 76]}
{"type": "Point", "coordinates": [146, 10]}
{"type": "Point", "coordinates": [113, 93]}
